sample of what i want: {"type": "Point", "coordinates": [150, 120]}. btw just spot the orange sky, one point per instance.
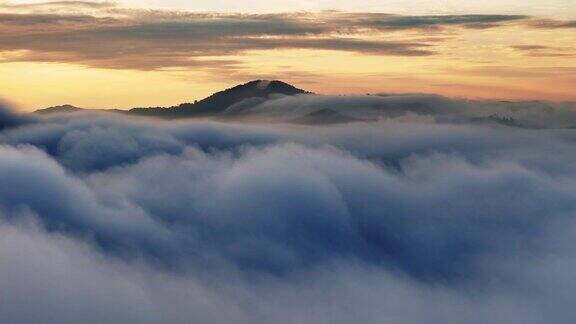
{"type": "Point", "coordinates": [106, 55]}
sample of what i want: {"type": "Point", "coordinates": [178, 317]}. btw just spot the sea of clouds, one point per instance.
{"type": "Point", "coordinates": [423, 215]}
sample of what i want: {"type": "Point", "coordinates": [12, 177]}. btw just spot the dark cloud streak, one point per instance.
{"type": "Point", "coordinates": [544, 51]}
{"type": "Point", "coordinates": [60, 4]}
{"type": "Point", "coordinates": [397, 22]}
{"type": "Point", "coordinates": [552, 24]}
{"type": "Point", "coordinates": [156, 39]}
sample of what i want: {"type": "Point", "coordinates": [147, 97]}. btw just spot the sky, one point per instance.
{"type": "Point", "coordinates": [127, 54]}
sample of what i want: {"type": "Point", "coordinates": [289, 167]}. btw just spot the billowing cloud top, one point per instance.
{"type": "Point", "coordinates": [428, 213]}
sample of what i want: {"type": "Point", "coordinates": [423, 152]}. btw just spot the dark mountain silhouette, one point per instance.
{"type": "Point", "coordinates": [58, 109]}
{"type": "Point", "coordinates": [220, 101]}
{"type": "Point", "coordinates": [210, 106]}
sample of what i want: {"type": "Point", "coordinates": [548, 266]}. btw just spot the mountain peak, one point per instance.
{"type": "Point", "coordinates": [263, 84]}
{"type": "Point", "coordinates": [273, 85]}
{"type": "Point", "coordinates": [222, 100]}
{"type": "Point", "coordinates": [267, 87]}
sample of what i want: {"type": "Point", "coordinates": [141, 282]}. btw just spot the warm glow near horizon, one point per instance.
{"type": "Point", "coordinates": [130, 54]}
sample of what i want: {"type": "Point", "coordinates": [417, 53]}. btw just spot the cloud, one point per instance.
{"type": "Point", "coordinates": [10, 119]}
{"type": "Point", "coordinates": [113, 291]}
{"type": "Point", "coordinates": [28, 20]}
{"type": "Point", "coordinates": [373, 107]}
{"type": "Point", "coordinates": [544, 51]}
{"type": "Point", "coordinates": [420, 213]}
{"type": "Point", "coordinates": [155, 39]}
{"type": "Point", "coordinates": [60, 4]}
{"type": "Point", "coordinates": [552, 24]}
{"type": "Point", "coordinates": [185, 42]}
{"type": "Point", "coordinates": [399, 22]}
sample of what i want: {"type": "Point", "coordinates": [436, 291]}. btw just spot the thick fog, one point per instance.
{"type": "Point", "coordinates": [422, 210]}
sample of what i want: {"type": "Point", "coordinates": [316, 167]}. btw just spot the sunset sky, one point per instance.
{"type": "Point", "coordinates": [155, 53]}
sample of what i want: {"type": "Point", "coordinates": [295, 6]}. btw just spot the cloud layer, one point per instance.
{"type": "Point", "coordinates": [413, 217]}
{"type": "Point", "coordinates": [157, 39]}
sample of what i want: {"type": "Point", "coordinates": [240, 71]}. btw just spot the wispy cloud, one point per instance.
{"type": "Point", "coordinates": [60, 4]}
{"type": "Point", "coordinates": [399, 22]}
{"type": "Point", "coordinates": [545, 51]}
{"type": "Point", "coordinates": [140, 39]}
{"type": "Point", "coordinates": [552, 24]}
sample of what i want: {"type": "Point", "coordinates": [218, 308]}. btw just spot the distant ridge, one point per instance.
{"type": "Point", "coordinates": [58, 109]}
{"type": "Point", "coordinates": [220, 101]}
{"type": "Point", "coordinates": [211, 106]}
